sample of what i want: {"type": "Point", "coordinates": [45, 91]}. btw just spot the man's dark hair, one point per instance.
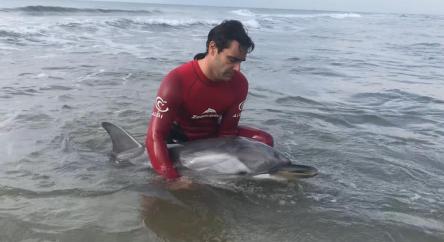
{"type": "Point", "coordinates": [226, 32]}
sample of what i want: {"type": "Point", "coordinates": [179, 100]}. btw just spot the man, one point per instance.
{"type": "Point", "coordinates": [203, 98]}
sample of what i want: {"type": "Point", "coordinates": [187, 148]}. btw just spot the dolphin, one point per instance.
{"type": "Point", "coordinates": [228, 157]}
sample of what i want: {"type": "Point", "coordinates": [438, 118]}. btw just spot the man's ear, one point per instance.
{"type": "Point", "coordinates": [212, 48]}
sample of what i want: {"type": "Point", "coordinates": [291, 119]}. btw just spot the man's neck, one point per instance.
{"type": "Point", "coordinates": [203, 64]}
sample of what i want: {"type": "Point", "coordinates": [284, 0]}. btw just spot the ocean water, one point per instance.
{"type": "Point", "coordinates": [360, 96]}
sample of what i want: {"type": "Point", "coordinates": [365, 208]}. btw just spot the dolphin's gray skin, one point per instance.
{"type": "Point", "coordinates": [225, 156]}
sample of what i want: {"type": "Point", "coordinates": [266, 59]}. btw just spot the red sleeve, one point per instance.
{"type": "Point", "coordinates": [230, 118]}
{"type": "Point", "coordinates": [168, 101]}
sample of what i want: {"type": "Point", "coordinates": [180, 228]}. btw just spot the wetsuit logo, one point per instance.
{"type": "Point", "coordinates": [209, 113]}
{"type": "Point", "coordinates": [241, 106]}
{"type": "Point", "coordinates": [161, 107]}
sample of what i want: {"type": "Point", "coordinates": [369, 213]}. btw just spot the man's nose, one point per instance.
{"type": "Point", "coordinates": [237, 66]}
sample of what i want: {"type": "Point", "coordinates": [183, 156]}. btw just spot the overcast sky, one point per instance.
{"type": "Point", "coordinates": [391, 6]}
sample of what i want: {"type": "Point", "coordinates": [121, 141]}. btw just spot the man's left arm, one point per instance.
{"type": "Point", "coordinates": [230, 120]}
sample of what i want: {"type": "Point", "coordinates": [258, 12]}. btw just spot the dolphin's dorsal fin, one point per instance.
{"type": "Point", "coordinates": [125, 146]}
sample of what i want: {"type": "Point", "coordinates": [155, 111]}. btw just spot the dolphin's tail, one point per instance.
{"type": "Point", "coordinates": [125, 146]}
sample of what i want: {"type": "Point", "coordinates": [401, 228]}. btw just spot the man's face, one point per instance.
{"type": "Point", "coordinates": [227, 61]}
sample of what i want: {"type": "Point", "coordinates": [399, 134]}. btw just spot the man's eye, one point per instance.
{"type": "Point", "coordinates": [233, 60]}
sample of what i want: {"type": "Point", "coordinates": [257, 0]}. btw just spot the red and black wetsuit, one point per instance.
{"type": "Point", "coordinates": [202, 108]}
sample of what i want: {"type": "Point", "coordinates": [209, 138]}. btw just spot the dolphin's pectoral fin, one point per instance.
{"type": "Point", "coordinates": [125, 146]}
{"type": "Point", "coordinates": [296, 171]}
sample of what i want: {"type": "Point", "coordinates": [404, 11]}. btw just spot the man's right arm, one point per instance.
{"type": "Point", "coordinates": [168, 101]}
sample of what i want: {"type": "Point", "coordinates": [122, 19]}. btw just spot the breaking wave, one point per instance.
{"type": "Point", "coordinates": [243, 12]}
{"type": "Point", "coordinates": [54, 10]}
{"type": "Point", "coordinates": [249, 13]}
{"type": "Point", "coordinates": [161, 22]}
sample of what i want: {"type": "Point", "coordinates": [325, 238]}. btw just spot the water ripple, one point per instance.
{"type": "Point", "coordinates": [73, 192]}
